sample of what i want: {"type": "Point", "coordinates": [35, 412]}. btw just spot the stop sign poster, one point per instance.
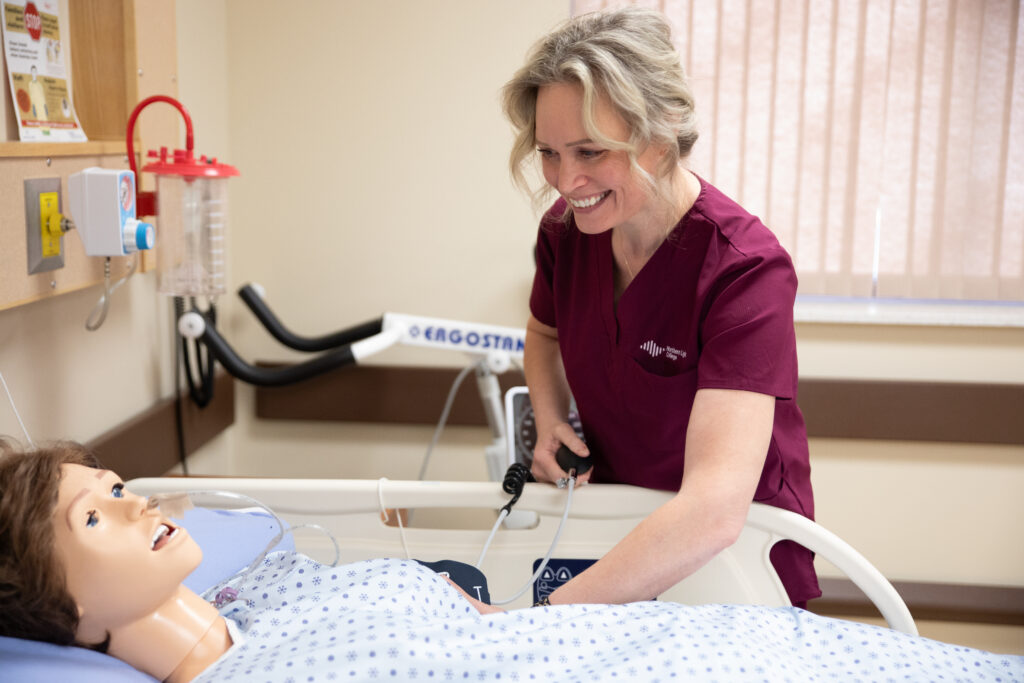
{"type": "Point", "coordinates": [36, 47]}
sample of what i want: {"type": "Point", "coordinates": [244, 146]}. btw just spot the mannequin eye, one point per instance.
{"type": "Point", "coordinates": [93, 519]}
{"type": "Point", "coordinates": [117, 491]}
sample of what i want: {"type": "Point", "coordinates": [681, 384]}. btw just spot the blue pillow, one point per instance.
{"type": "Point", "coordinates": [30, 661]}
{"type": "Point", "coordinates": [230, 542]}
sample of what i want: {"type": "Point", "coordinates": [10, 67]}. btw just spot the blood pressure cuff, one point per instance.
{"type": "Point", "coordinates": [466, 576]}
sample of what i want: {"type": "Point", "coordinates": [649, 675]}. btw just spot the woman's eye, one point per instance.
{"type": "Point", "coordinates": [590, 153]}
{"type": "Point", "coordinates": [546, 153]}
{"type": "Point", "coordinates": [93, 519]}
{"type": "Point", "coordinates": [117, 491]}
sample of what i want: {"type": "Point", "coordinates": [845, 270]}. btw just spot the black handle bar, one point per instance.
{"type": "Point", "coordinates": [276, 376]}
{"type": "Point", "coordinates": [300, 343]}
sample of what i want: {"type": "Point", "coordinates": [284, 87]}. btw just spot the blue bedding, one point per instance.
{"type": "Point", "coordinates": [396, 620]}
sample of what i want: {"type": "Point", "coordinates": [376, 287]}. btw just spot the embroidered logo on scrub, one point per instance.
{"type": "Point", "coordinates": [655, 351]}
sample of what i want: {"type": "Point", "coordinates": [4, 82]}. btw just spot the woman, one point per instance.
{"type": "Point", "coordinates": [661, 306]}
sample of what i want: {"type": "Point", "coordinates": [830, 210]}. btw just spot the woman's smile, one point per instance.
{"type": "Point", "coordinates": [590, 202]}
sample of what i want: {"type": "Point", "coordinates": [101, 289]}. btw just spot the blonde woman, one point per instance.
{"type": "Point", "coordinates": [659, 304]}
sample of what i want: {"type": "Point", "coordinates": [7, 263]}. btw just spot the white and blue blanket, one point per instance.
{"type": "Point", "coordinates": [299, 621]}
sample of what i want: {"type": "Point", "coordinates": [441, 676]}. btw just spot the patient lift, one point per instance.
{"type": "Point", "coordinates": [494, 347]}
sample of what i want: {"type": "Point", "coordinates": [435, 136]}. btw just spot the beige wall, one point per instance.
{"type": "Point", "coordinates": [373, 160]}
{"type": "Point", "coordinates": [374, 178]}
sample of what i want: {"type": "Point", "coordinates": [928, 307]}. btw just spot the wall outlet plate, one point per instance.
{"type": "Point", "coordinates": [45, 252]}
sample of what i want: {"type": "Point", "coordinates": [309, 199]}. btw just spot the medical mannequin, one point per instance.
{"type": "Point", "coordinates": [125, 564]}
{"type": "Point", "coordinates": [84, 562]}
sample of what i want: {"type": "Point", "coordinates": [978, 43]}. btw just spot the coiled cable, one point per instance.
{"type": "Point", "coordinates": [515, 481]}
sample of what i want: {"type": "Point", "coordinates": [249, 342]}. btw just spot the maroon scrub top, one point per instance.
{"type": "Point", "coordinates": [713, 308]}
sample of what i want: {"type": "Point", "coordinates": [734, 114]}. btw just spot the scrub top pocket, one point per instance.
{"type": "Point", "coordinates": [652, 454]}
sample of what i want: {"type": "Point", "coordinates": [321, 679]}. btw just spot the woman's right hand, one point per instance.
{"type": "Point", "coordinates": [548, 441]}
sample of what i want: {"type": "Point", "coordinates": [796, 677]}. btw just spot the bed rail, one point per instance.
{"type": "Point", "coordinates": [601, 515]}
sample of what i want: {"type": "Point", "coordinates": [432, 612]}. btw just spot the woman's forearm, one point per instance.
{"type": "Point", "coordinates": [726, 442]}
{"type": "Point", "coordinates": [676, 540]}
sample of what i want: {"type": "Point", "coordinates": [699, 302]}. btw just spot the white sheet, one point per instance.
{"type": "Point", "coordinates": [395, 620]}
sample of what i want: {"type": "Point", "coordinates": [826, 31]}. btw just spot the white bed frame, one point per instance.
{"type": "Point", "coordinates": [599, 517]}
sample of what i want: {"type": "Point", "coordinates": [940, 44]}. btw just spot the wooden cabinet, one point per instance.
{"type": "Point", "coordinates": [121, 51]}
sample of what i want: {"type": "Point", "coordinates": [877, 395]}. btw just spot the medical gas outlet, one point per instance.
{"type": "Point", "coordinates": [44, 226]}
{"type": "Point", "coordinates": [102, 206]}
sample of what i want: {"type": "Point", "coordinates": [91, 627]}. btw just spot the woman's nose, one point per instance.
{"type": "Point", "coordinates": [569, 177]}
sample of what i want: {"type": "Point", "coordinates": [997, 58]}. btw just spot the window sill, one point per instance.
{"type": "Point", "coordinates": [823, 309]}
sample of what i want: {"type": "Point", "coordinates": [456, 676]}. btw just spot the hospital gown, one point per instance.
{"type": "Point", "coordinates": [298, 621]}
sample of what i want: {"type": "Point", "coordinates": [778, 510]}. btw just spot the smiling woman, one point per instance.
{"type": "Point", "coordinates": [661, 306]}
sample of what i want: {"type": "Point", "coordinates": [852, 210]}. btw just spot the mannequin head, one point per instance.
{"type": "Point", "coordinates": [79, 559]}
{"type": "Point", "coordinates": [123, 561]}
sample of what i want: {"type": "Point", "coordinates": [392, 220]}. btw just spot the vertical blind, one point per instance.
{"type": "Point", "coordinates": [881, 140]}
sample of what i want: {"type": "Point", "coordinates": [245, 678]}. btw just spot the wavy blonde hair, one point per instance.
{"type": "Point", "coordinates": [625, 56]}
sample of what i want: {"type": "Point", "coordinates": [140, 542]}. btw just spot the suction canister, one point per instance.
{"type": "Point", "coordinates": [192, 215]}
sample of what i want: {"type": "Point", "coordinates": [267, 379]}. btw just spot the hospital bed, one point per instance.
{"type": "Point", "coordinates": [353, 511]}
{"type": "Point", "coordinates": [233, 535]}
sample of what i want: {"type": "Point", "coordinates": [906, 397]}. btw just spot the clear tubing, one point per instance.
{"type": "Point", "coordinates": [175, 504]}
{"type": "Point", "coordinates": [16, 413]}
{"type": "Point", "coordinates": [444, 415]}
{"type": "Point", "coordinates": [494, 530]}
{"type": "Point", "coordinates": [551, 550]}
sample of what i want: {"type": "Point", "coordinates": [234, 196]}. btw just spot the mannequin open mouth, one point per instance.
{"type": "Point", "coordinates": [162, 536]}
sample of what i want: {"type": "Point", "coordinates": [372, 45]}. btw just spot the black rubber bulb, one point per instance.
{"type": "Point", "coordinates": [568, 460]}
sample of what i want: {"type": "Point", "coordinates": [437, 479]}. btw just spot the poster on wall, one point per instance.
{"type": "Point", "coordinates": [40, 85]}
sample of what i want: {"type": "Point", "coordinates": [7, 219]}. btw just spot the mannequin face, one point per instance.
{"type": "Point", "coordinates": [598, 183]}
{"type": "Point", "coordinates": [105, 542]}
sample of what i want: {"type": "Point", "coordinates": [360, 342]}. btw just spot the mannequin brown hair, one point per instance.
{"type": "Point", "coordinates": [34, 602]}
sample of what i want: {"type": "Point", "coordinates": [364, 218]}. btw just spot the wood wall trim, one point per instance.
{"type": "Point", "coordinates": [927, 601]}
{"type": "Point", "coordinates": [147, 444]}
{"type": "Point", "coordinates": [913, 411]}
{"type": "Point", "coordinates": [844, 409]}
{"type": "Point", "coordinates": [377, 393]}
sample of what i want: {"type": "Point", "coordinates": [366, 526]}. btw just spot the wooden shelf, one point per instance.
{"type": "Point", "coordinates": [62, 149]}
